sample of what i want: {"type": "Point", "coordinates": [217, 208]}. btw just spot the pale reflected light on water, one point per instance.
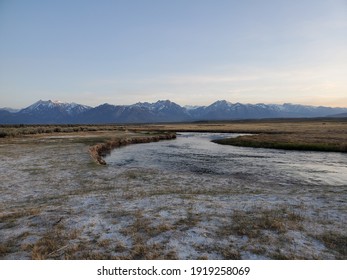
{"type": "Point", "coordinates": [195, 154]}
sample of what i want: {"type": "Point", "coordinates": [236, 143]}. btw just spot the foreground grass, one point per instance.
{"type": "Point", "coordinates": [263, 231]}
{"type": "Point", "coordinates": [334, 241]}
{"type": "Point", "coordinates": [78, 210]}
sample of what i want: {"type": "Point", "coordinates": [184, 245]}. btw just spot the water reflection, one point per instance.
{"type": "Point", "coordinates": [195, 155]}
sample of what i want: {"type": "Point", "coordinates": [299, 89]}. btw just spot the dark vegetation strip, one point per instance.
{"type": "Point", "coordinates": [299, 146]}
{"type": "Point", "coordinates": [101, 150]}
{"type": "Point", "coordinates": [19, 130]}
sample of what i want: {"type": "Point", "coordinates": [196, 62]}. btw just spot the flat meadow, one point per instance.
{"type": "Point", "coordinates": [57, 202]}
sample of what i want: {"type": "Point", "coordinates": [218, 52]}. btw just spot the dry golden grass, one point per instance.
{"type": "Point", "coordinates": [20, 130]}
{"type": "Point", "coordinates": [11, 219]}
{"type": "Point", "coordinates": [228, 252]}
{"type": "Point", "coordinates": [311, 134]}
{"type": "Point", "coordinates": [54, 244]}
{"type": "Point", "coordinates": [252, 223]}
{"type": "Point", "coordinates": [5, 249]}
{"type": "Point", "coordinates": [145, 237]}
{"type": "Point", "coordinates": [9, 216]}
{"type": "Point", "coordinates": [192, 219]}
{"type": "Point", "coordinates": [292, 141]}
{"type": "Point", "coordinates": [293, 134]}
{"type": "Point", "coordinates": [260, 126]}
{"type": "Point", "coordinates": [141, 231]}
{"type": "Point", "coordinates": [334, 241]}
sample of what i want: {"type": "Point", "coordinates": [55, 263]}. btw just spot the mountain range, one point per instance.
{"type": "Point", "coordinates": [55, 112]}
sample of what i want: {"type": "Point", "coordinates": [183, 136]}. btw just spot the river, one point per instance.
{"type": "Point", "coordinates": [187, 198]}
{"type": "Point", "coordinates": [195, 155]}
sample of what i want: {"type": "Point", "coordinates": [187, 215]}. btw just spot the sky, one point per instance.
{"type": "Point", "coordinates": [192, 52]}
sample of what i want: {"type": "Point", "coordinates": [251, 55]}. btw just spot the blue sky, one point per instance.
{"type": "Point", "coordinates": [191, 52]}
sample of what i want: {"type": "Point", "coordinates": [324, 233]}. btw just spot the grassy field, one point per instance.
{"type": "Point", "coordinates": [312, 135]}
{"type": "Point", "coordinates": [7, 131]}
{"type": "Point", "coordinates": [56, 203]}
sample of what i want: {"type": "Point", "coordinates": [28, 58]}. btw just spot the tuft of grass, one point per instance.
{"type": "Point", "coordinates": [10, 216]}
{"type": "Point", "coordinates": [10, 219]}
{"type": "Point", "coordinates": [279, 255]}
{"type": "Point", "coordinates": [252, 223]}
{"type": "Point", "coordinates": [192, 219]}
{"type": "Point", "coordinates": [334, 241]}
{"type": "Point", "coordinates": [141, 231]}
{"type": "Point", "coordinates": [4, 249]}
{"type": "Point", "coordinates": [245, 224]}
{"type": "Point", "coordinates": [54, 244]}
{"type": "Point", "coordinates": [228, 252]}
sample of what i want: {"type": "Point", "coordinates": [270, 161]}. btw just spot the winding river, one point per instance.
{"type": "Point", "coordinates": [194, 154]}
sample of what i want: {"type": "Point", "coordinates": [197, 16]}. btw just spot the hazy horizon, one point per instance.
{"type": "Point", "coordinates": [189, 52]}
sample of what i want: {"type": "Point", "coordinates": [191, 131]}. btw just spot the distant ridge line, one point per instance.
{"type": "Point", "coordinates": [162, 111]}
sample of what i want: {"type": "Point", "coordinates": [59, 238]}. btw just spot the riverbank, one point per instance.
{"type": "Point", "coordinates": [292, 134]}
{"type": "Point", "coordinates": [303, 135]}
{"type": "Point", "coordinates": [295, 141]}
{"type": "Point", "coordinates": [185, 199]}
{"type": "Point", "coordinates": [99, 151]}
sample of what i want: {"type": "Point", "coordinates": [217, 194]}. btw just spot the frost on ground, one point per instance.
{"type": "Point", "coordinates": [56, 203]}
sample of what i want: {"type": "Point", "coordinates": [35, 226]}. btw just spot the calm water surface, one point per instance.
{"type": "Point", "coordinates": [194, 154]}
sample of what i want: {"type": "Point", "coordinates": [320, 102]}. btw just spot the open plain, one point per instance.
{"type": "Point", "coordinates": [186, 198]}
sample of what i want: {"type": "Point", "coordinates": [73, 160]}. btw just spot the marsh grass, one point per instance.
{"type": "Point", "coordinates": [252, 223]}
{"type": "Point", "coordinates": [141, 231]}
{"type": "Point", "coordinates": [179, 216]}
{"type": "Point", "coordinates": [334, 241]}
{"type": "Point", "coordinates": [279, 254]}
{"type": "Point", "coordinates": [54, 244]}
{"type": "Point", "coordinates": [274, 142]}
{"type": "Point", "coordinates": [5, 248]}
{"type": "Point", "coordinates": [20, 130]}
{"type": "Point", "coordinates": [291, 134]}
{"type": "Point", "coordinates": [9, 216]}
{"type": "Point", "coordinates": [227, 252]}
{"type": "Point", "coordinates": [11, 219]}
{"type": "Point", "coordinates": [308, 135]}
{"type": "Point", "coordinates": [191, 219]}
{"type": "Point", "coordinates": [11, 244]}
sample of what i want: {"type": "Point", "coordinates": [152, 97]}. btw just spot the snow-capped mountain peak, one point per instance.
{"type": "Point", "coordinates": [221, 103]}
{"type": "Point", "coordinates": [43, 112]}
{"type": "Point", "coordinates": [158, 106]}
{"type": "Point", "coordinates": [67, 108]}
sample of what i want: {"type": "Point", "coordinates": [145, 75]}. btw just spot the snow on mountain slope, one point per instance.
{"type": "Point", "coordinates": [67, 108]}
{"type": "Point", "coordinates": [45, 112]}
